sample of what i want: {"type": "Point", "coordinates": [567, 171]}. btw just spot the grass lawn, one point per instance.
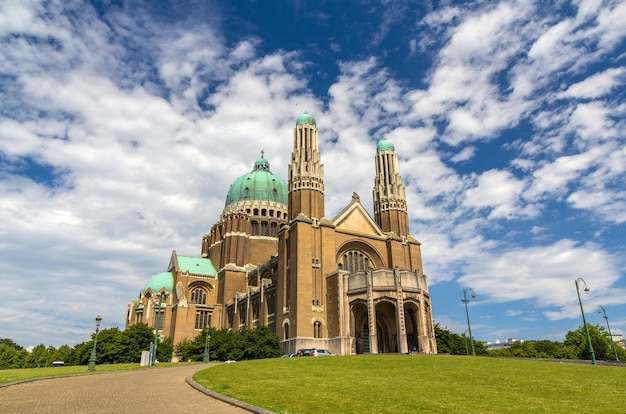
{"type": "Point", "coordinates": [423, 383]}
{"type": "Point", "coordinates": [12, 375]}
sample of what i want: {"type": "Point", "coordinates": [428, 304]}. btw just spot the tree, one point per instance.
{"type": "Point", "coordinates": [555, 349]}
{"type": "Point", "coordinates": [81, 353]}
{"type": "Point", "coordinates": [37, 357]}
{"type": "Point", "coordinates": [229, 345]}
{"type": "Point", "coordinates": [451, 343]}
{"type": "Point", "coordinates": [64, 353]}
{"type": "Point", "coordinates": [259, 343]}
{"type": "Point", "coordinates": [135, 339]}
{"type": "Point", "coordinates": [225, 345]}
{"type": "Point", "coordinates": [165, 349]}
{"type": "Point", "coordinates": [9, 342]}
{"type": "Point", "coordinates": [180, 350]}
{"type": "Point", "coordinates": [12, 357]}
{"type": "Point", "coordinates": [600, 341]}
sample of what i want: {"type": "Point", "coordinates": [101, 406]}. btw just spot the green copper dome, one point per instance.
{"type": "Point", "coordinates": [305, 119]}
{"type": "Point", "coordinates": [385, 145]}
{"type": "Point", "coordinates": [160, 280]}
{"type": "Point", "coordinates": [259, 184]}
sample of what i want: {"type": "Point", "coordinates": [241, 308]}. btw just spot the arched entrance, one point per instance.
{"type": "Point", "coordinates": [386, 329]}
{"type": "Point", "coordinates": [386, 335]}
{"type": "Point", "coordinates": [359, 325]}
{"type": "Point", "coordinates": [411, 312]}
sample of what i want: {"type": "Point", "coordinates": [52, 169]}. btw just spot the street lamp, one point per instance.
{"type": "Point", "coordinates": [602, 312]}
{"type": "Point", "coordinates": [465, 340]}
{"type": "Point", "coordinates": [206, 347]}
{"type": "Point", "coordinates": [92, 358]}
{"type": "Point", "coordinates": [162, 296]}
{"type": "Point", "coordinates": [586, 289]}
{"type": "Point", "coordinates": [466, 301]}
{"type": "Point", "coordinates": [48, 357]}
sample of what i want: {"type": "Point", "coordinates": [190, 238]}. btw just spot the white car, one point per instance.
{"type": "Point", "coordinates": [321, 352]}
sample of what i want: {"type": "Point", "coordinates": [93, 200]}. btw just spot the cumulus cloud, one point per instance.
{"type": "Point", "coordinates": [597, 85]}
{"type": "Point", "coordinates": [545, 275]}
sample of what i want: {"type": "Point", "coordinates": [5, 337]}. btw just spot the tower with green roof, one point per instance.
{"type": "Point", "coordinates": [306, 171]}
{"type": "Point", "coordinates": [390, 208]}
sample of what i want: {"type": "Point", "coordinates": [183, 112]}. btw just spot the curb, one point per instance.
{"type": "Point", "coordinates": [224, 398]}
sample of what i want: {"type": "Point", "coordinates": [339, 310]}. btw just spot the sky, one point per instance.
{"type": "Point", "coordinates": [123, 124]}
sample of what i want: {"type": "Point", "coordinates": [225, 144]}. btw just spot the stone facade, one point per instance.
{"type": "Point", "coordinates": [353, 284]}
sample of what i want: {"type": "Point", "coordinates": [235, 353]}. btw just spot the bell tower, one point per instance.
{"type": "Point", "coordinates": [306, 172]}
{"type": "Point", "coordinates": [390, 208]}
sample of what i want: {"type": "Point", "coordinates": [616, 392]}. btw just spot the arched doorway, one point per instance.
{"type": "Point", "coordinates": [360, 327]}
{"type": "Point", "coordinates": [411, 312]}
{"type": "Point", "coordinates": [386, 329]}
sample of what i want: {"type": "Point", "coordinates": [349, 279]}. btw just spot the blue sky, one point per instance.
{"type": "Point", "coordinates": [123, 124]}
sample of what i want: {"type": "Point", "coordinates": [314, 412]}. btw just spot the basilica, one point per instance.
{"type": "Point", "coordinates": [351, 284]}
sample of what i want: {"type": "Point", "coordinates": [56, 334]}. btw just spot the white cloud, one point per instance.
{"type": "Point", "coordinates": [554, 177]}
{"type": "Point", "coordinates": [495, 189]}
{"type": "Point", "coordinates": [545, 275]}
{"type": "Point", "coordinates": [597, 85]}
{"type": "Point", "coordinates": [466, 154]}
{"type": "Point", "coordinates": [19, 16]}
{"type": "Point", "coordinates": [592, 121]}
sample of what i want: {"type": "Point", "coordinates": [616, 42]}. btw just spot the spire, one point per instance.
{"type": "Point", "coordinates": [306, 172]}
{"type": "Point", "coordinates": [390, 208]}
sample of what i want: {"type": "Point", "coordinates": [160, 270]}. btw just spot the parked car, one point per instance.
{"type": "Point", "coordinates": [314, 352]}
{"type": "Point", "coordinates": [321, 352]}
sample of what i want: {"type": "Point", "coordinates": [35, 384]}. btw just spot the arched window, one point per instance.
{"type": "Point", "coordinates": [353, 261]}
{"type": "Point", "coordinates": [264, 228]}
{"type": "Point", "coordinates": [198, 295]}
{"type": "Point", "coordinates": [203, 319]}
{"type": "Point", "coordinates": [255, 228]}
{"type": "Point", "coordinates": [317, 329]}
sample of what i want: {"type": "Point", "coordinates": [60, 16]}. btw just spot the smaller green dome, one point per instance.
{"type": "Point", "coordinates": [305, 119]}
{"type": "Point", "coordinates": [159, 281]}
{"type": "Point", "coordinates": [385, 145]}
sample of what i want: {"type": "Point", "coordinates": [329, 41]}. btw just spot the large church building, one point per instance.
{"type": "Point", "coordinates": [352, 284]}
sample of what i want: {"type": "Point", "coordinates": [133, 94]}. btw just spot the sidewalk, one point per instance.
{"type": "Point", "coordinates": [134, 391]}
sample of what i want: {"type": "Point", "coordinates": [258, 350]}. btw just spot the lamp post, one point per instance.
{"type": "Point", "coordinates": [162, 296]}
{"type": "Point", "coordinates": [602, 312]}
{"type": "Point", "coordinates": [469, 327]}
{"type": "Point", "coordinates": [92, 358]}
{"type": "Point", "coordinates": [48, 357]}
{"type": "Point", "coordinates": [465, 340]}
{"type": "Point", "coordinates": [206, 347]}
{"type": "Point", "coordinates": [586, 289]}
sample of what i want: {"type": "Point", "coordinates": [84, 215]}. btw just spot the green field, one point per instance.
{"type": "Point", "coordinates": [12, 375]}
{"type": "Point", "coordinates": [424, 383]}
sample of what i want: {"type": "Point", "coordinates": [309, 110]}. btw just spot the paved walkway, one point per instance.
{"type": "Point", "coordinates": [135, 391]}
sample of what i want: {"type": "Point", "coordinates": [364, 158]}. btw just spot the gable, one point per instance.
{"type": "Point", "coordinates": [355, 219]}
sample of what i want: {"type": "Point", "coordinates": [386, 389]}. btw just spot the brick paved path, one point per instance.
{"type": "Point", "coordinates": [135, 391]}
